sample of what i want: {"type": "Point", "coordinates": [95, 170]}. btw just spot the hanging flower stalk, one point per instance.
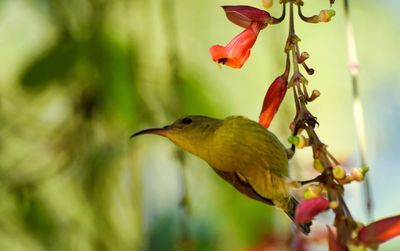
{"type": "Point", "coordinates": [324, 192]}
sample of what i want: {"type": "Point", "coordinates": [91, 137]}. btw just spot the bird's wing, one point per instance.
{"type": "Point", "coordinates": [241, 184]}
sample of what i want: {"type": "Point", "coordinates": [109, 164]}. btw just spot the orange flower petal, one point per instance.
{"type": "Point", "coordinates": [379, 231]}
{"type": "Point", "coordinates": [237, 51]}
{"type": "Point", "coordinates": [218, 53]}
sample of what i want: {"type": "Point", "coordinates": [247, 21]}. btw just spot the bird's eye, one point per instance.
{"type": "Point", "coordinates": [187, 121]}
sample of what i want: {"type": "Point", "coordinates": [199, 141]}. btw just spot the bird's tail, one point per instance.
{"type": "Point", "coordinates": [291, 209]}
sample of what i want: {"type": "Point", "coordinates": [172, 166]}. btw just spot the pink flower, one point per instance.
{"type": "Point", "coordinates": [237, 51]}
{"type": "Point", "coordinates": [307, 209]}
{"type": "Point", "coordinates": [273, 99]}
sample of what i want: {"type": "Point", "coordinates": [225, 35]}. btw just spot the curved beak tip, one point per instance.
{"type": "Point", "coordinates": [134, 134]}
{"type": "Point", "coordinates": [157, 131]}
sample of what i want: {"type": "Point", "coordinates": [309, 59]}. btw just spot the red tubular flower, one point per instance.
{"type": "Point", "coordinates": [379, 231]}
{"type": "Point", "coordinates": [237, 51]}
{"type": "Point", "coordinates": [307, 209]}
{"type": "Point", "coordinates": [273, 99]}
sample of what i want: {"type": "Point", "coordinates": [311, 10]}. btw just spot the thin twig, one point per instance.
{"type": "Point", "coordinates": [358, 113]}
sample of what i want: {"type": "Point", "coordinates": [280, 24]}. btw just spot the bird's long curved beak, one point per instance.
{"type": "Point", "coordinates": [159, 131]}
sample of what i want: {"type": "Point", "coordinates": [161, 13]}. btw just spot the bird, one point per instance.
{"type": "Point", "coordinates": [242, 152]}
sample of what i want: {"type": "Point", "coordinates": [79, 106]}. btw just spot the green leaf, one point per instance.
{"type": "Point", "coordinates": [117, 69]}
{"type": "Point", "coordinates": [53, 65]}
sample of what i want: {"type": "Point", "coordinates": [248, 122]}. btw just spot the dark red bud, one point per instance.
{"type": "Point", "coordinates": [272, 100]}
{"type": "Point", "coordinates": [243, 15]}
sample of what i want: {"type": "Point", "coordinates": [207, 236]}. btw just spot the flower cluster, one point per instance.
{"type": "Point", "coordinates": [325, 192]}
{"type": "Point", "coordinates": [237, 51]}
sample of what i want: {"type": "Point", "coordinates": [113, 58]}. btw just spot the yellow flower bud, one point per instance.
{"type": "Point", "coordinates": [339, 172]}
{"type": "Point", "coordinates": [267, 3]}
{"type": "Point", "coordinates": [357, 174]}
{"type": "Point", "coordinates": [308, 194]}
{"type": "Point", "coordinates": [303, 141]}
{"type": "Point", "coordinates": [318, 165]}
{"type": "Point", "coordinates": [299, 141]}
{"type": "Point", "coordinates": [315, 93]}
{"type": "Point", "coordinates": [333, 204]}
{"type": "Point", "coordinates": [312, 191]}
{"type": "Point", "coordinates": [326, 15]}
{"type": "Point", "coordinates": [294, 140]}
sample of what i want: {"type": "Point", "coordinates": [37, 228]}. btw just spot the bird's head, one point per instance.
{"type": "Point", "coordinates": [192, 133]}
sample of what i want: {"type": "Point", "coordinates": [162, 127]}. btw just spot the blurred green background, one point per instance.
{"type": "Point", "coordinates": [78, 77]}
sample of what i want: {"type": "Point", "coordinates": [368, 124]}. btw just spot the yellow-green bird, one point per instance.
{"type": "Point", "coordinates": [240, 151]}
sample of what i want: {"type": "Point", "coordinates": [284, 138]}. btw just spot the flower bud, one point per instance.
{"type": "Point", "coordinates": [326, 15]}
{"type": "Point", "coordinates": [299, 141]}
{"type": "Point", "coordinates": [333, 204]}
{"type": "Point", "coordinates": [303, 141]}
{"type": "Point", "coordinates": [294, 140]}
{"type": "Point", "coordinates": [312, 191]}
{"type": "Point", "coordinates": [272, 100]}
{"type": "Point", "coordinates": [315, 94]}
{"type": "Point", "coordinates": [357, 174]}
{"type": "Point", "coordinates": [267, 3]}
{"type": "Point", "coordinates": [303, 57]}
{"type": "Point", "coordinates": [244, 16]}
{"type": "Point", "coordinates": [318, 165]}
{"type": "Point", "coordinates": [364, 170]}
{"type": "Point", "coordinates": [339, 172]}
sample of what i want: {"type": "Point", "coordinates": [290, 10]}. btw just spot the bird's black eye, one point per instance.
{"type": "Point", "coordinates": [187, 121]}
